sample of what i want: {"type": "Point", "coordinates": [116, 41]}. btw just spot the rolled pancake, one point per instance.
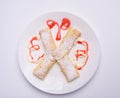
{"type": "Point", "coordinates": [48, 43]}
{"type": "Point", "coordinates": [43, 68]}
{"type": "Point", "coordinates": [61, 54]}
{"type": "Point", "coordinates": [67, 43]}
{"type": "Point", "coordinates": [68, 68]}
{"type": "Point", "coordinates": [49, 46]}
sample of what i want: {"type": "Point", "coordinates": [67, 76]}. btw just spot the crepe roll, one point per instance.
{"type": "Point", "coordinates": [68, 68]}
{"type": "Point", "coordinates": [43, 68]}
{"type": "Point", "coordinates": [48, 42]}
{"type": "Point", "coordinates": [67, 43]}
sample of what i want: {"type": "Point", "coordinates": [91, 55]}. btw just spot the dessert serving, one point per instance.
{"type": "Point", "coordinates": [58, 53]}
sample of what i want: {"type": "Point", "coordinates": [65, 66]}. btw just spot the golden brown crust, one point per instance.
{"type": "Point", "coordinates": [50, 39]}
{"type": "Point", "coordinates": [68, 69]}
{"type": "Point", "coordinates": [67, 43]}
{"type": "Point", "coordinates": [48, 43]}
{"type": "Point", "coordinates": [72, 31]}
{"type": "Point", "coordinates": [43, 68]}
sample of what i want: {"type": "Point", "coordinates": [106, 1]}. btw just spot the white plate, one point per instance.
{"type": "Point", "coordinates": [55, 82]}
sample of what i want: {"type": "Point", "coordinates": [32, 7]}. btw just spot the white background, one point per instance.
{"type": "Point", "coordinates": [102, 15]}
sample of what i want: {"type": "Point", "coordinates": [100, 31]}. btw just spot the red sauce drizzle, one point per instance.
{"type": "Point", "coordinates": [35, 47]}
{"type": "Point", "coordinates": [51, 23]}
{"type": "Point", "coordinates": [80, 53]}
{"type": "Point", "coordinates": [64, 26]}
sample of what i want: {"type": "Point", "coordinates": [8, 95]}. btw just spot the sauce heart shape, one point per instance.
{"type": "Point", "coordinates": [64, 26]}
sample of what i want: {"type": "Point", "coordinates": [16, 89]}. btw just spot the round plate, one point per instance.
{"type": "Point", "coordinates": [55, 82]}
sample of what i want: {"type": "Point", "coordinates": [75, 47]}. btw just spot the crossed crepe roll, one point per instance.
{"type": "Point", "coordinates": [58, 54]}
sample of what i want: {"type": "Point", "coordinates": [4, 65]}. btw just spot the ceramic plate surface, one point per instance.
{"type": "Point", "coordinates": [55, 81]}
